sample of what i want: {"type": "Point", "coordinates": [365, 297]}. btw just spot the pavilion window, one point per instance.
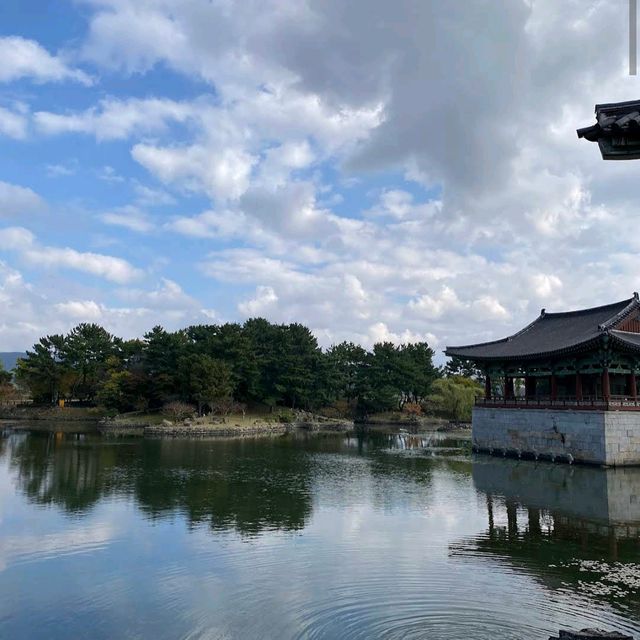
{"type": "Point", "coordinates": [619, 385]}
{"type": "Point", "coordinates": [530, 387]}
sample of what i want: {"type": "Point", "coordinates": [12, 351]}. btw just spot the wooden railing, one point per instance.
{"type": "Point", "coordinates": [613, 403]}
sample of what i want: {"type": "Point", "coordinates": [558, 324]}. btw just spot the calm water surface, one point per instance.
{"type": "Point", "coordinates": [382, 536]}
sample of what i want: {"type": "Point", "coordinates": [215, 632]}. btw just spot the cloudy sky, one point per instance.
{"type": "Point", "coordinates": [377, 170]}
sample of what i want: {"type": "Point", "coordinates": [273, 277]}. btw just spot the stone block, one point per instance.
{"type": "Point", "coordinates": [591, 634]}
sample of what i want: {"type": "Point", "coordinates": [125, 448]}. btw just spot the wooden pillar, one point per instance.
{"type": "Point", "coordinates": [487, 387]}
{"type": "Point", "coordinates": [512, 520]}
{"type": "Point", "coordinates": [553, 385]}
{"type": "Point", "coordinates": [578, 386]}
{"type": "Point", "coordinates": [490, 516]}
{"type": "Point", "coordinates": [534, 521]}
{"type": "Point", "coordinates": [606, 388]}
{"type": "Point", "coordinates": [633, 390]}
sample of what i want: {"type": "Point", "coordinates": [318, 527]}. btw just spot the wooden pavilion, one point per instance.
{"type": "Point", "coordinates": [586, 359]}
{"type": "Point", "coordinates": [617, 130]}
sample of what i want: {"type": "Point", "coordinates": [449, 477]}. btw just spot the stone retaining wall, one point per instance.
{"type": "Point", "coordinates": [592, 437]}
{"type": "Point", "coordinates": [177, 431]}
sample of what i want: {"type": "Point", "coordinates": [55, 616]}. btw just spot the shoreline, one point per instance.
{"type": "Point", "coordinates": [220, 429]}
{"type": "Point", "coordinates": [141, 426]}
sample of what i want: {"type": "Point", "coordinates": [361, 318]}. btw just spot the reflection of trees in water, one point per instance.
{"type": "Point", "coordinates": [57, 468]}
{"type": "Point", "coordinates": [593, 556]}
{"type": "Point", "coordinates": [249, 485]}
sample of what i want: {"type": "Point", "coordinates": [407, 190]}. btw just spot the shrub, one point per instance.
{"type": "Point", "coordinates": [178, 410]}
{"type": "Point", "coordinates": [286, 417]}
{"type": "Point", "coordinates": [412, 409]}
{"type": "Point", "coordinates": [454, 397]}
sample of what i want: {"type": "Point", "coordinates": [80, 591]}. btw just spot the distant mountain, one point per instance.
{"type": "Point", "coordinates": [8, 358]}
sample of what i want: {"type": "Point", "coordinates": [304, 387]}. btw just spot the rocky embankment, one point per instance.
{"type": "Point", "coordinates": [224, 427]}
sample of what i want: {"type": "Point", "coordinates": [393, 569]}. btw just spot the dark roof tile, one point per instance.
{"type": "Point", "coordinates": [617, 130]}
{"type": "Point", "coordinates": [552, 333]}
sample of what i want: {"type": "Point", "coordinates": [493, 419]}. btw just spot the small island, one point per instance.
{"type": "Point", "coordinates": [233, 379]}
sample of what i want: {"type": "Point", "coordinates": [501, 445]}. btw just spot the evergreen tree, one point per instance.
{"type": "Point", "coordinates": [160, 355]}
{"type": "Point", "coordinates": [206, 381]}
{"type": "Point", "coordinates": [5, 376]}
{"type": "Point", "coordinates": [457, 366]}
{"type": "Point", "coordinates": [43, 370]}
{"type": "Point", "coordinates": [346, 368]}
{"type": "Point", "coordinates": [299, 366]}
{"type": "Point", "coordinates": [85, 352]}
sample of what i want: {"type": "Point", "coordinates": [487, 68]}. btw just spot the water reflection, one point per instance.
{"type": "Point", "coordinates": [228, 484]}
{"type": "Point", "coordinates": [575, 528]}
{"type": "Point", "coordinates": [377, 535]}
{"type": "Point", "coordinates": [248, 484]}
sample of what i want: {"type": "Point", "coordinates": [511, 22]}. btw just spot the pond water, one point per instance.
{"type": "Point", "coordinates": [308, 536]}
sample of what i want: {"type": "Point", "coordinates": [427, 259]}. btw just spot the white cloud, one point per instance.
{"type": "Point", "coordinates": [109, 267]}
{"type": "Point", "coordinates": [379, 332]}
{"type": "Point", "coordinates": [149, 197]}
{"type": "Point", "coordinates": [80, 310]}
{"type": "Point", "coordinates": [29, 312]}
{"type": "Point", "coordinates": [116, 119]}
{"type": "Point", "coordinates": [263, 303]}
{"type": "Point", "coordinates": [22, 58]}
{"type": "Point", "coordinates": [18, 201]}
{"type": "Point", "coordinates": [114, 269]}
{"type": "Point", "coordinates": [16, 239]}
{"type": "Point", "coordinates": [129, 217]}
{"type": "Point", "coordinates": [545, 285]}
{"type": "Point", "coordinates": [212, 224]}
{"type": "Point", "coordinates": [167, 295]}
{"type": "Point", "coordinates": [61, 170]}
{"type": "Point", "coordinates": [316, 166]}
{"type": "Point", "coordinates": [222, 173]}
{"type": "Point", "coordinates": [13, 123]}
{"type": "Point", "coordinates": [109, 174]}
{"type": "Point", "coordinates": [435, 306]}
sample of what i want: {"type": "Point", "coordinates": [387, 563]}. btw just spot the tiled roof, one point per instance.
{"type": "Point", "coordinates": [626, 337]}
{"type": "Point", "coordinates": [617, 130]}
{"type": "Point", "coordinates": [554, 333]}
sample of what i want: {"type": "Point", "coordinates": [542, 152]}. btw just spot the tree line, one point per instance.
{"type": "Point", "coordinates": [215, 366]}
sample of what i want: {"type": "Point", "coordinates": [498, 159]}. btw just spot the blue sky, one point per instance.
{"type": "Point", "coordinates": [378, 172]}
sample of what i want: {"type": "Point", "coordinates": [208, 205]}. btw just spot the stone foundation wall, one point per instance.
{"type": "Point", "coordinates": [593, 437]}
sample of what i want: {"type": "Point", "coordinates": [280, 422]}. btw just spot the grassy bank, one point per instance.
{"type": "Point", "coordinates": [53, 414]}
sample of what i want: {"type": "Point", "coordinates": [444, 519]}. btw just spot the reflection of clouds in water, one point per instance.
{"type": "Point", "coordinates": [371, 565]}
{"type": "Point", "coordinates": [370, 558]}
{"type": "Point", "coordinates": [88, 538]}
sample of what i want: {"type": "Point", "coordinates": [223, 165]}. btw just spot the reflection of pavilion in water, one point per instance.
{"type": "Point", "coordinates": [608, 498]}
{"type": "Point", "coordinates": [550, 520]}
